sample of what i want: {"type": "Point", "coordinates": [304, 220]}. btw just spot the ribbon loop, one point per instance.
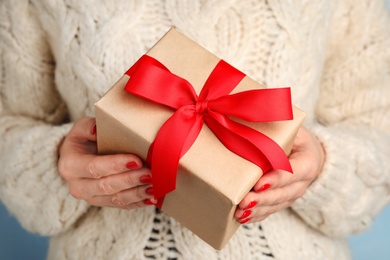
{"type": "Point", "coordinates": [151, 80]}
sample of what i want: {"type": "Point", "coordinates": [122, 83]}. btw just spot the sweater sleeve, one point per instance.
{"type": "Point", "coordinates": [354, 124]}
{"type": "Point", "coordinates": [32, 117]}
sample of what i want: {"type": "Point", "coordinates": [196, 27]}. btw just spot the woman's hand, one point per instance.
{"type": "Point", "coordinates": [277, 190]}
{"type": "Point", "coordinates": [102, 180]}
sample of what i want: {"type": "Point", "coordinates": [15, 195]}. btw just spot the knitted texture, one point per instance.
{"type": "Point", "coordinates": [57, 58]}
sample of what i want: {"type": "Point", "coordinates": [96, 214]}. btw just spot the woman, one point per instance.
{"type": "Point", "coordinates": [58, 58]}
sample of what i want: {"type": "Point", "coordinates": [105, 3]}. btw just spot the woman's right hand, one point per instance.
{"type": "Point", "coordinates": [102, 180]}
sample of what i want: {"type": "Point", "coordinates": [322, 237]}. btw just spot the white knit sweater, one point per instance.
{"type": "Point", "coordinates": [57, 58]}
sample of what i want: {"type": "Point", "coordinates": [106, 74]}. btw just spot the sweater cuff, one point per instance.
{"type": "Point", "coordinates": [342, 200]}
{"type": "Point", "coordinates": [32, 188]}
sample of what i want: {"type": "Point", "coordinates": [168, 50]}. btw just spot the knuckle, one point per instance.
{"type": "Point", "coordinates": [75, 192]}
{"type": "Point", "coordinates": [104, 187]}
{"type": "Point", "coordinates": [282, 197]}
{"type": "Point", "coordinates": [129, 180]}
{"type": "Point", "coordinates": [64, 169]}
{"type": "Point", "coordinates": [271, 211]}
{"type": "Point", "coordinates": [300, 192]}
{"type": "Point", "coordinates": [92, 169]}
{"type": "Point", "coordinates": [289, 203]}
{"type": "Point", "coordinates": [261, 218]}
{"type": "Point", "coordinates": [117, 201]}
{"type": "Point", "coordinates": [115, 166]}
{"type": "Point", "coordinates": [260, 215]}
{"type": "Point", "coordinates": [278, 200]}
{"type": "Point", "coordinates": [314, 174]}
{"type": "Point", "coordinates": [130, 199]}
{"type": "Point", "coordinates": [310, 170]}
{"type": "Point", "coordinates": [140, 193]}
{"type": "Point", "coordinates": [293, 178]}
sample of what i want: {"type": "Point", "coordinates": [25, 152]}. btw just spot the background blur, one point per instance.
{"type": "Point", "coordinates": [17, 244]}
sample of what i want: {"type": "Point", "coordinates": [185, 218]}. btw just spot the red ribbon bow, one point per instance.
{"type": "Point", "coordinates": [151, 80]}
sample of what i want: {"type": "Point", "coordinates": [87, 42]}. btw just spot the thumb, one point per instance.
{"type": "Point", "coordinates": [84, 129]}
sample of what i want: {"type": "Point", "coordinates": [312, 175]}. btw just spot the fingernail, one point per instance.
{"type": "Point", "coordinates": [244, 221]}
{"type": "Point", "coordinates": [150, 201]}
{"type": "Point", "coordinates": [146, 179]}
{"type": "Point", "coordinates": [264, 187]}
{"type": "Point", "coordinates": [132, 165]}
{"type": "Point", "coordinates": [93, 129]}
{"type": "Point", "coordinates": [149, 191]}
{"type": "Point", "coordinates": [246, 214]}
{"type": "Point", "coordinates": [251, 205]}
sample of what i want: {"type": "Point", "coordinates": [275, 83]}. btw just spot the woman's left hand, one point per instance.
{"type": "Point", "coordinates": [277, 190]}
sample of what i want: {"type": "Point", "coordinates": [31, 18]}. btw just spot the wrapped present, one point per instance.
{"type": "Point", "coordinates": [207, 131]}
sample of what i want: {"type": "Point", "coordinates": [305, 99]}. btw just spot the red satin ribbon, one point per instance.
{"type": "Point", "coordinates": [151, 80]}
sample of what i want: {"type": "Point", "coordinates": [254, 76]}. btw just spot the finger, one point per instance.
{"type": "Point", "coordinates": [304, 165]}
{"type": "Point", "coordinates": [274, 196]}
{"type": "Point", "coordinates": [140, 204]}
{"type": "Point", "coordinates": [308, 155]}
{"type": "Point", "coordinates": [84, 128]}
{"type": "Point", "coordinates": [97, 166]}
{"type": "Point", "coordinates": [116, 183]}
{"type": "Point", "coordinates": [274, 179]}
{"type": "Point", "coordinates": [106, 165]}
{"type": "Point", "coordinates": [81, 138]}
{"type": "Point", "coordinates": [260, 213]}
{"type": "Point", "coordinates": [281, 195]}
{"type": "Point", "coordinates": [125, 198]}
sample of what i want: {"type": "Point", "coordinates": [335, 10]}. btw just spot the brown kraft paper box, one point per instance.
{"type": "Point", "coordinates": [211, 180]}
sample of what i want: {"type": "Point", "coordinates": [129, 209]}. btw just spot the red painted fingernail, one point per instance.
{"type": "Point", "coordinates": [150, 202]}
{"type": "Point", "coordinates": [93, 129]}
{"type": "Point", "coordinates": [264, 187]}
{"type": "Point", "coordinates": [251, 205]}
{"type": "Point", "coordinates": [244, 221]}
{"type": "Point", "coordinates": [132, 165]}
{"type": "Point", "coordinates": [246, 214]}
{"type": "Point", "coordinates": [146, 179]}
{"type": "Point", "coordinates": [149, 191]}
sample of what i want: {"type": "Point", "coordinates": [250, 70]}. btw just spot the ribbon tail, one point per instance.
{"type": "Point", "coordinates": [248, 143]}
{"type": "Point", "coordinates": [168, 149]}
{"type": "Point", "coordinates": [160, 201]}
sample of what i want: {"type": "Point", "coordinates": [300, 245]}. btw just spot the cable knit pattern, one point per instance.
{"type": "Point", "coordinates": [57, 58]}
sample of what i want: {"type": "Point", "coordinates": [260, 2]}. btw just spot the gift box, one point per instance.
{"type": "Point", "coordinates": [215, 167]}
